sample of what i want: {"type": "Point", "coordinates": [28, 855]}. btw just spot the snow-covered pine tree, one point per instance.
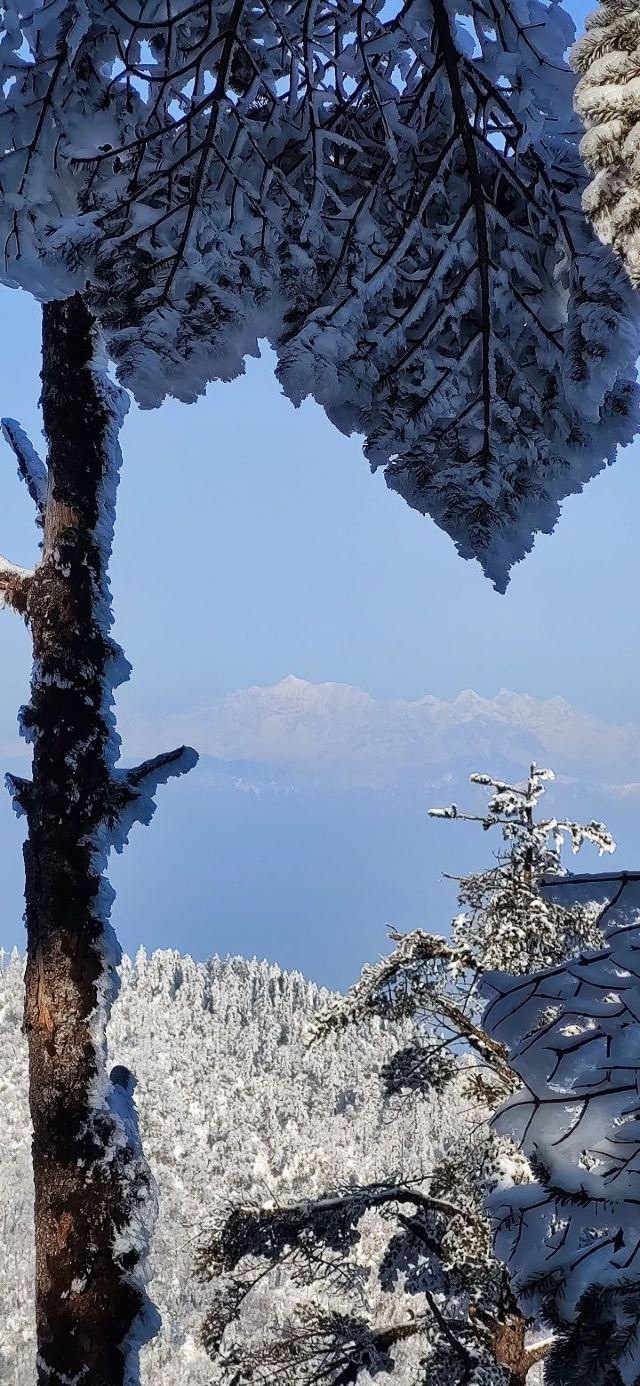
{"type": "Point", "coordinates": [399, 1274]}
{"type": "Point", "coordinates": [507, 921]}
{"type": "Point", "coordinates": [391, 194]}
{"type": "Point", "coordinates": [608, 101]}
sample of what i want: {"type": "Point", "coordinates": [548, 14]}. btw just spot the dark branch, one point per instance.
{"type": "Point", "coordinates": [132, 797]}
{"type": "Point", "coordinates": [159, 769]}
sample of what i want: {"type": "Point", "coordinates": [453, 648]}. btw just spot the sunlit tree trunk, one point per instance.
{"type": "Point", "coordinates": [94, 1197]}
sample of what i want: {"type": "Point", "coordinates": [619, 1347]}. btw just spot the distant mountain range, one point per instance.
{"type": "Point", "coordinates": [303, 833]}
{"type": "Point", "coordinates": [334, 732]}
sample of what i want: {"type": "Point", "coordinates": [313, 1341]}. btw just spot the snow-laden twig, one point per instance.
{"type": "Point", "coordinates": [159, 769]}
{"type": "Point", "coordinates": [135, 790]}
{"type": "Point", "coordinates": [30, 465]}
{"type": "Point", "coordinates": [20, 791]}
{"type": "Point", "coordinates": [14, 582]}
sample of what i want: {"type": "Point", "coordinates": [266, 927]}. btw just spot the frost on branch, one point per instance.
{"type": "Point", "coordinates": [391, 196]}
{"type": "Point", "coordinates": [134, 791]}
{"type": "Point", "coordinates": [388, 1277]}
{"type": "Point", "coordinates": [30, 465]}
{"type": "Point", "coordinates": [508, 922]}
{"type": "Point", "coordinates": [14, 585]}
{"type": "Point", "coordinates": [571, 1238]}
{"type": "Point", "coordinates": [608, 100]}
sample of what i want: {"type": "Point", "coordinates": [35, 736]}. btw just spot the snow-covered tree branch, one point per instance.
{"type": "Point", "coordinates": [419, 1239]}
{"type": "Point", "coordinates": [571, 1236]}
{"type": "Point", "coordinates": [14, 584]}
{"type": "Point", "coordinates": [391, 196]}
{"type": "Point", "coordinates": [30, 465]}
{"type": "Point", "coordinates": [608, 101]}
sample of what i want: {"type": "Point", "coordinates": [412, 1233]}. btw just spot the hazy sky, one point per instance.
{"type": "Point", "coordinates": [252, 541]}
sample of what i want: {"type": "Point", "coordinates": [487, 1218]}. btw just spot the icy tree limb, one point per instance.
{"type": "Point", "coordinates": [537, 1352]}
{"type": "Point", "coordinates": [30, 465]}
{"type": "Point", "coordinates": [21, 793]}
{"type": "Point", "coordinates": [159, 769]}
{"type": "Point", "coordinates": [135, 790]}
{"type": "Point", "coordinates": [14, 584]}
{"type": "Point", "coordinates": [367, 1195]}
{"type": "Point", "coordinates": [10, 572]}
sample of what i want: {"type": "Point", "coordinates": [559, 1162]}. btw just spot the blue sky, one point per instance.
{"type": "Point", "coordinates": [252, 542]}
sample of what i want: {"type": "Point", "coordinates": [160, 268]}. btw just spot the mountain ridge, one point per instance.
{"type": "Point", "coordinates": [340, 731]}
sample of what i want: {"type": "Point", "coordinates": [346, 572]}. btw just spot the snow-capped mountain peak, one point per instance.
{"type": "Point", "coordinates": [342, 731]}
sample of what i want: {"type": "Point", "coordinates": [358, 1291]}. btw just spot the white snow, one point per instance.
{"type": "Point", "coordinates": [232, 1103]}
{"type": "Point", "coordinates": [487, 397]}
{"type": "Point", "coordinates": [573, 1032]}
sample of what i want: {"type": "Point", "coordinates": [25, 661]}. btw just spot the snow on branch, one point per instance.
{"type": "Point", "coordinates": [390, 195]}
{"type": "Point", "coordinates": [146, 778]}
{"type": "Point", "coordinates": [30, 465]}
{"type": "Point", "coordinates": [135, 791]}
{"type": "Point", "coordinates": [428, 979]}
{"type": "Point", "coordinates": [14, 585]}
{"type": "Point", "coordinates": [608, 100]}
{"type": "Point", "coordinates": [571, 1236]}
{"type": "Point", "coordinates": [20, 791]}
{"type": "Point", "coordinates": [378, 1247]}
{"type": "Point", "coordinates": [334, 1216]}
{"type": "Point", "coordinates": [315, 1242]}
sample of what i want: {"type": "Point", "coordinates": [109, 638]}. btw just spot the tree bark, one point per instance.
{"type": "Point", "coordinates": [94, 1197]}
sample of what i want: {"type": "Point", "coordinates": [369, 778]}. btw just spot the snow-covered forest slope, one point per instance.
{"type": "Point", "coordinates": [226, 1082]}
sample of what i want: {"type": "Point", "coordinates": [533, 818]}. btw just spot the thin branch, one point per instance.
{"type": "Point", "coordinates": [159, 769]}
{"type": "Point", "coordinates": [30, 465]}
{"type": "Point", "coordinates": [133, 791]}
{"type": "Point", "coordinates": [537, 1353]}
{"type": "Point", "coordinates": [14, 585]}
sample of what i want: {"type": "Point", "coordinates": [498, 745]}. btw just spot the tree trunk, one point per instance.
{"type": "Point", "coordinates": [94, 1198]}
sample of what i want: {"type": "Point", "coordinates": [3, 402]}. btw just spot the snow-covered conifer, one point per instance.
{"type": "Point", "coordinates": [399, 1275]}
{"type": "Point", "coordinates": [390, 195]}
{"type": "Point", "coordinates": [507, 921]}
{"type": "Point", "coordinates": [608, 101]}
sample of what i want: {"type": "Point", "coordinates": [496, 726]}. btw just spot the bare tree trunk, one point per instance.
{"type": "Point", "coordinates": [94, 1197]}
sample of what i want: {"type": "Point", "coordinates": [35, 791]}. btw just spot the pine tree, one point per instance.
{"type": "Point", "coordinates": [608, 101]}
{"type": "Point", "coordinates": [393, 199]}
{"type": "Point", "coordinates": [400, 1274]}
